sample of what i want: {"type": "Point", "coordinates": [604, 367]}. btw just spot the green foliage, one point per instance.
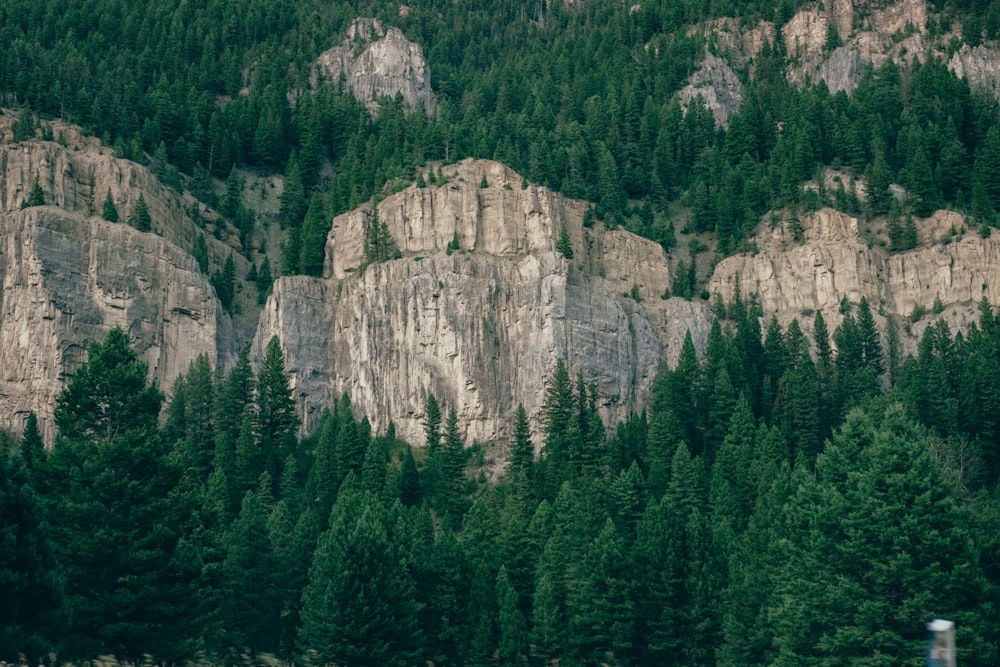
{"type": "Point", "coordinates": [359, 604]}
{"type": "Point", "coordinates": [31, 613]}
{"type": "Point", "coordinates": [224, 282]}
{"type": "Point", "coordinates": [36, 197]}
{"type": "Point", "coordinates": [140, 218]}
{"type": "Point", "coordinates": [110, 211]}
{"type": "Point", "coordinates": [883, 542]}
{"type": "Point", "coordinates": [453, 244]}
{"type": "Point", "coordinates": [110, 482]}
{"type": "Point", "coordinates": [313, 238]}
{"type": "Point", "coordinates": [379, 244]}
{"type": "Point", "coordinates": [564, 246]}
{"type": "Point", "coordinates": [724, 527]}
{"type": "Point", "coordinates": [200, 253]}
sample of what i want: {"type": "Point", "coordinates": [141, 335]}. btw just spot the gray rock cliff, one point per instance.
{"type": "Point", "coordinates": [69, 276]}
{"type": "Point", "coordinates": [483, 327]}
{"type": "Point", "coordinates": [834, 262]}
{"type": "Point", "coordinates": [375, 62]}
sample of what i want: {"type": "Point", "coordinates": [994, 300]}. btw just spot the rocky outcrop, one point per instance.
{"type": "Point", "coordinates": [738, 44]}
{"type": "Point", "coordinates": [869, 36]}
{"type": "Point", "coordinates": [980, 66]}
{"type": "Point", "coordinates": [482, 327]}
{"type": "Point", "coordinates": [718, 86]}
{"type": "Point", "coordinates": [76, 174]}
{"type": "Point", "coordinates": [67, 279]}
{"type": "Point", "coordinates": [793, 280]}
{"type": "Point", "coordinates": [68, 276]}
{"type": "Point", "coordinates": [376, 62]}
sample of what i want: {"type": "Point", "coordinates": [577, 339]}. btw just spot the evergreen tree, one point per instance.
{"type": "Point", "coordinates": [564, 246]}
{"type": "Point", "coordinates": [451, 484]}
{"type": "Point", "coordinates": [110, 211]}
{"type": "Point", "coordinates": [32, 447]}
{"type": "Point", "coordinates": [313, 238]}
{"type": "Point", "coordinates": [882, 542]}
{"type": "Point", "coordinates": [115, 513]}
{"type": "Point", "coordinates": [513, 627]}
{"type": "Point", "coordinates": [277, 422]}
{"type": "Point", "coordinates": [140, 218]}
{"type": "Point", "coordinates": [232, 199]}
{"type": "Point", "coordinates": [294, 204]}
{"type": "Point", "coordinates": [200, 253]}
{"type": "Point", "coordinates": [224, 282]}
{"type": "Point", "coordinates": [359, 605]}
{"type": "Point", "coordinates": [561, 430]}
{"type": "Point", "coordinates": [31, 594]}
{"type": "Point", "coordinates": [264, 281]}
{"type": "Point", "coordinates": [522, 450]}
{"type": "Point", "coordinates": [36, 197]}
{"type": "Point", "coordinates": [251, 605]}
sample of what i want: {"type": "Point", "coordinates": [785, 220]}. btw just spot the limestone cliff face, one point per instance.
{"type": "Point", "coordinates": [980, 66]}
{"type": "Point", "coordinates": [718, 86]}
{"type": "Point", "coordinates": [376, 61]}
{"type": "Point", "coordinates": [68, 279]}
{"type": "Point", "coordinates": [870, 35]}
{"type": "Point", "coordinates": [834, 262]}
{"type": "Point", "coordinates": [480, 328]}
{"type": "Point", "coordinates": [68, 276]}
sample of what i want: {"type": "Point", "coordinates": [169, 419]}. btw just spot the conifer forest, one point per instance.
{"type": "Point", "coordinates": [785, 498]}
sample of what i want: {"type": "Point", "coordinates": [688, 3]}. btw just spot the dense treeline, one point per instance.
{"type": "Point", "coordinates": [580, 97]}
{"type": "Point", "coordinates": [778, 503]}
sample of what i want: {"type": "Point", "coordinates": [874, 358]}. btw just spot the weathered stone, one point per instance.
{"type": "Point", "coordinates": [980, 66]}
{"type": "Point", "coordinates": [68, 276]}
{"type": "Point", "coordinates": [377, 62]}
{"type": "Point", "coordinates": [483, 327]}
{"type": "Point", "coordinates": [718, 86]}
{"type": "Point", "coordinates": [950, 267]}
{"type": "Point", "coordinates": [67, 280]}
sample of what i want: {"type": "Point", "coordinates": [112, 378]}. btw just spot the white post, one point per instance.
{"type": "Point", "coordinates": [940, 643]}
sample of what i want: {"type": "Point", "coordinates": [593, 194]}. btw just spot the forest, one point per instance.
{"type": "Point", "coordinates": [578, 97]}
{"type": "Point", "coordinates": [783, 500]}
{"type": "Point", "coordinates": [777, 504]}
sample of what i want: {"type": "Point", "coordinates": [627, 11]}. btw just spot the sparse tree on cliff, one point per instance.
{"type": "Point", "coordinates": [110, 211]}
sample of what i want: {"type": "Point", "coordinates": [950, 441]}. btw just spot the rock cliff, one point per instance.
{"type": "Point", "coordinates": [719, 87]}
{"type": "Point", "coordinates": [951, 267]}
{"type": "Point", "coordinates": [481, 327]}
{"type": "Point", "coordinates": [68, 276]}
{"type": "Point", "coordinates": [980, 66]}
{"type": "Point", "coordinates": [375, 62]}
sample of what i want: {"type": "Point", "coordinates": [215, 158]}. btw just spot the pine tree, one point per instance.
{"type": "Point", "coordinates": [294, 204]}
{"type": "Point", "coordinates": [224, 282]}
{"type": "Point", "coordinates": [522, 450]}
{"type": "Point", "coordinates": [451, 484]}
{"type": "Point", "coordinates": [513, 627]}
{"type": "Point", "coordinates": [36, 197]}
{"type": "Point", "coordinates": [264, 281]}
{"type": "Point", "coordinates": [561, 431]}
{"type": "Point", "coordinates": [602, 617]}
{"type": "Point", "coordinates": [110, 211]}
{"type": "Point", "coordinates": [140, 218]}
{"type": "Point", "coordinates": [359, 605]}
{"type": "Point", "coordinates": [32, 447]}
{"type": "Point", "coordinates": [313, 238]}
{"type": "Point", "coordinates": [200, 253]}
{"type": "Point", "coordinates": [277, 422]}
{"type": "Point", "coordinates": [251, 605]}
{"type": "Point", "coordinates": [232, 199]}
{"type": "Point", "coordinates": [114, 512]}
{"type": "Point", "coordinates": [564, 246]}
{"type": "Point", "coordinates": [30, 616]}
{"type": "Point", "coordinates": [882, 542]}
